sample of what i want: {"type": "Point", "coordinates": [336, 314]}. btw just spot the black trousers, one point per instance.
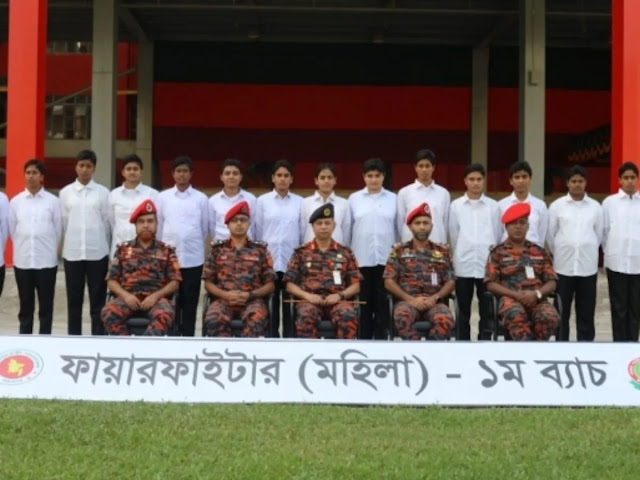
{"type": "Point", "coordinates": [584, 289]}
{"type": "Point", "coordinates": [76, 273]}
{"type": "Point", "coordinates": [30, 280]}
{"type": "Point", "coordinates": [374, 316]}
{"type": "Point", "coordinates": [287, 322]}
{"type": "Point", "coordinates": [624, 295]}
{"type": "Point", "coordinates": [188, 297]}
{"type": "Point", "coordinates": [2, 270]}
{"type": "Point", "coordinates": [464, 294]}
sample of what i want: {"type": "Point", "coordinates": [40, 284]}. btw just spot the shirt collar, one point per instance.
{"type": "Point", "coordinates": [137, 188]}
{"type": "Point", "coordinates": [186, 192]}
{"type": "Point", "coordinates": [514, 199]}
{"type": "Point", "coordinates": [277, 195]}
{"type": "Point", "coordinates": [78, 186]}
{"type": "Point", "coordinates": [419, 184]}
{"type": "Point", "coordinates": [38, 193]}
{"type": "Point", "coordinates": [318, 197]}
{"type": "Point", "coordinates": [570, 199]}
{"type": "Point", "coordinates": [332, 246]}
{"type": "Point", "coordinates": [237, 195]}
{"type": "Point", "coordinates": [467, 199]}
{"type": "Point", "coordinates": [381, 192]}
{"type": "Point", "coordinates": [621, 193]}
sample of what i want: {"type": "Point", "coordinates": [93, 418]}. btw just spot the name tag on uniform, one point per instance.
{"type": "Point", "coordinates": [529, 271]}
{"type": "Point", "coordinates": [434, 278]}
{"type": "Point", "coordinates": [337, 279]}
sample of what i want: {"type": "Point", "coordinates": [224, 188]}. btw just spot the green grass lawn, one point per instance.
{"type": "Point", "coordinates": [75, 440]}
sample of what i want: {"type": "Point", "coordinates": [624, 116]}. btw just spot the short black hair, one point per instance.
{"type": "Point", "coordinates": [325, 166]}
{"type": "Point", "coordinates": [475, 167]}
{"type": "Point", "coordinates": [182, 160]}
{"type": "Point", "coordinates": [34, 162]}
{"type": "Point", "coordinates": [426, 154]}
{"type": "Point", "coordinates": [576, 170]}
{"type": "Point", "coordinates": [374, 164]}
{"type": "Point", "coordinates": [627, 166]}
{"type": "Point", "coordinates": [87, 155]}
{"type": "Point", "coordinates": [231, 162]}
{"type": "Point", "coordinates": [520, 166]}
{"type": "Point", "coordinates": [132, 158]}
{"type": "Point", "coordinates": [282, 163]}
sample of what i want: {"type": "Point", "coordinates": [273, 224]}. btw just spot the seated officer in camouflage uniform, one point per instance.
{"type": "Point", "coordinates": [324, 274]}
{"type": "Point", "coordinates": [521, 274]}
{"type": "Point", "coordinates": [239, 274]}
{"type": "Point", "coordinates": [419, 274]}
{"type": "Point", "coordinates": [143, 273]}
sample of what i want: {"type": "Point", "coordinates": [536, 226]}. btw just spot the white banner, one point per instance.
{"type": "Point", "coordinates": [320, 371]}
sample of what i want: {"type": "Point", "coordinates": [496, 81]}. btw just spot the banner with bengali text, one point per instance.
{"type": "Point", "coordinates": [199, 370]}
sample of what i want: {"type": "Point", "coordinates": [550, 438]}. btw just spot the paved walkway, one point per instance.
{"type": "Point", "coordinates": [9, 310]}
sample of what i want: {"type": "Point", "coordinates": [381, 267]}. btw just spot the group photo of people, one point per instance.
{"type": "Point", "coordinates": [377, 265]}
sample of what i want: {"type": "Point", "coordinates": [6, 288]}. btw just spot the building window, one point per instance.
{"type": "Point", "coordinates": [70, 119]}
{"type": "Point", "coordinates": [69, 47]}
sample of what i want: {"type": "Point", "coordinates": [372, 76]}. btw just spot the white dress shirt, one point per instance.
{"type": "Point", "coordinates": [4, 225]}
{"type": "Point", "coordinates": [474, 227]}
{"type": "Point", "coordinates": [622, 233]}
{"type": "Point", "coordinates": [219, 205]}
{"type": "Point", "coordinates": [277, 223]}
{"type": "Point", "coordinates": [183, 223]}
{"type": "Point", "coordinates": [342, 233]}
{"type": "Point", "coordinates": [575, 235]}
{"type": "Point", "coordinates": [122, 203]}
{"type": "Point", "coordinates": [85, 221]}
{"type": "Point", "coordinates": [538, 220]}
{"type": "Point", "coordinates": [35, 226]}
{"type": "Point", "coordinates": [437, 197]}
{"type": "Point", "coordinates": [373, 226]}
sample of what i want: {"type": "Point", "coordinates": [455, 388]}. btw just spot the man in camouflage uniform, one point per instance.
{"type": "Point", "coordinates": [239, 274]}
{"type": "Point", "coordinates": [419, 274]}
{"type": "Point", "coordinates": [324, 275]}
{"type": "Point", "coordinates": [143, 273]}
{"type": "Point", "coordinates": [521, 274]}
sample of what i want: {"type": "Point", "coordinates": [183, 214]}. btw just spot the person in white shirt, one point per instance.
{"type": "Point", "coordinates": [85, 222]}
{"type": "Point", "coordinates": [124, 199]}
{"type": "Point", "coordinates": [231, 194]}
{"type": "Point", "coordinates": [277, 223]}
{"type": "Point", "coordinates": [373, 233]}
{"type": "Point", "coordinates": [474, 227]}
{"type": "Point", "coordinates": [576, 225]}
{"type": "Point", "coordinates": [35, 226]}
{"type": "Point", "coordinates": [4, 234]}
{"type": "Point", "coordinates": [325, 180]}
{"type": "Point", "coordinates": [622, 254]}
{"type": "Point", "coordinates": [520, 179]}
{"type": "Point", "coordinates": [425, 189]}
{"type": "Point", "coordinates": [183, 223]}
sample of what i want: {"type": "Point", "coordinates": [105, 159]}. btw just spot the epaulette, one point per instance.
{"type": "Point", "coordinates": [442, 246]}
{"type": "Point", "coordinates": [259, 242]}
{"type": "Point", "coordinates": [494, 247]}
{"type": "Point", "coordinates": [216, 243]}
{"type": "Point", "coordinates": [300, 247]}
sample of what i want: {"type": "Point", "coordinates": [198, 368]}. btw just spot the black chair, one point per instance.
{"type": "Point", "coordinates": [422, 327]}
{"type": "Point", "coordinates": [494, 329]}
{"type": "Point", "coordinates": [137, 324]}
{"type": "Point", "coordinates": [236, 323]}
{"type": "Point", "coordinates": [325, 327]}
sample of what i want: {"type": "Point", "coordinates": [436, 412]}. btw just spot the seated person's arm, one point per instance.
{"type": "Point", "coordinates": [166, 291]}
{"type": "Point", "coordinates": [447, 289]}
{"type": "Point", "coordinates": [128, 298]}
{"type": "Point", "coordinates": [501, 291]}
{"type": "Point", "coordinates": [548, 288]}
{"type": "Point", "coordinates": [394, 289]}
{"type": "Point", "coordinates": [298, 292]}
{"type": "Point", "coordinates": [347, 293]}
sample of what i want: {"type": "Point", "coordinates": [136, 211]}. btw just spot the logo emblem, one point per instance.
{"type": "Point", "coordinates": [19, 366]}
{"type": "Point", "coordinates": [327, 212]}
{"type": "Point", "coordinates": [437, 254]}
{"type": "Point", "coordinates": [634, 373]}
{"type": "Point", "coordinates": [149, 208]}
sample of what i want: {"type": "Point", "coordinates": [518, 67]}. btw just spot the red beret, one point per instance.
{"type": "Point", "coordinates": [237, 209]}
{"type": "Point", "coordinates": [515, 212]}
{"type": "Point", "coordinates": [421, 210]}
{"type": "Point", "coordinates": [143, 209]}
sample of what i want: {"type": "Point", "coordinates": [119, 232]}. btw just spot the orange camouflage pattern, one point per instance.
{"type": "Point", "coordinates": [142, 272]}
{"type": "Point", "coordinates": [244, 269]}
{"type": "Point", "coordinates": [507, 266]}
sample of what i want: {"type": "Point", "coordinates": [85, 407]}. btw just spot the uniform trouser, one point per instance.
{"type": "Point", "coordinates": [624, 296]}
{"type": "Point", "coordinates": [255, 315]}
{"type": "Point", "coordinates": [373, 315]}
{"type": "Point", "coordinates": [278, 296]}
{"type": "Point", "coordinates": [42, 281]}
{"type": "Point", "coordinates": [405, 316]}
{"type": "Point", "coordinates": [2, 271]}
{"type": "Point", "coordinates": [188, 296]}
{"type": "Point", "coordinates": [537, 323]}
{"type": "Point", "coordinates": [116, 313]}
{"type": "Point", "coordinates": [584, 289]}
{"type": "Point", "coordinates": [464, 294]}
{"type": "Point", "coordinates": [75, 274]}
{"type": "Point", "coordinates": [343, 316]}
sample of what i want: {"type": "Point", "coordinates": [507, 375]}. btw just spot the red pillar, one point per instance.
{"type": "Point", "coordinates": [25, 89]}
{"type": "Point", "coordinates": [625, 86]}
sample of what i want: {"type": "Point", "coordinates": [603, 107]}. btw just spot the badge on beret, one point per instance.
{"type": "Point", "coordinates": [326, 212]}
{"type": "Point", "coordinates": [308, 264]}
{"type": "Point", "coordinates": [149, 208]}
{"type": "Point", "coordinates": [437, 254]}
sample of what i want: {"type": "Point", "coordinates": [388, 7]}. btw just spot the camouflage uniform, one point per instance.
{"type": "Point", "coordinates": [142, 272]}
{"type": "Point", "coordinates": [244, 269]}
{"type": "Point", "coordinates": [506, 266]}
{"type": "Point", "coordinates": [420, 274]}
{"type": "Point", "coordinates": [312, 270]}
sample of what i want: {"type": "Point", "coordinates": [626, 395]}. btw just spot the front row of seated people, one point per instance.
{"type": "Point", "coordinates": [322, 278]}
